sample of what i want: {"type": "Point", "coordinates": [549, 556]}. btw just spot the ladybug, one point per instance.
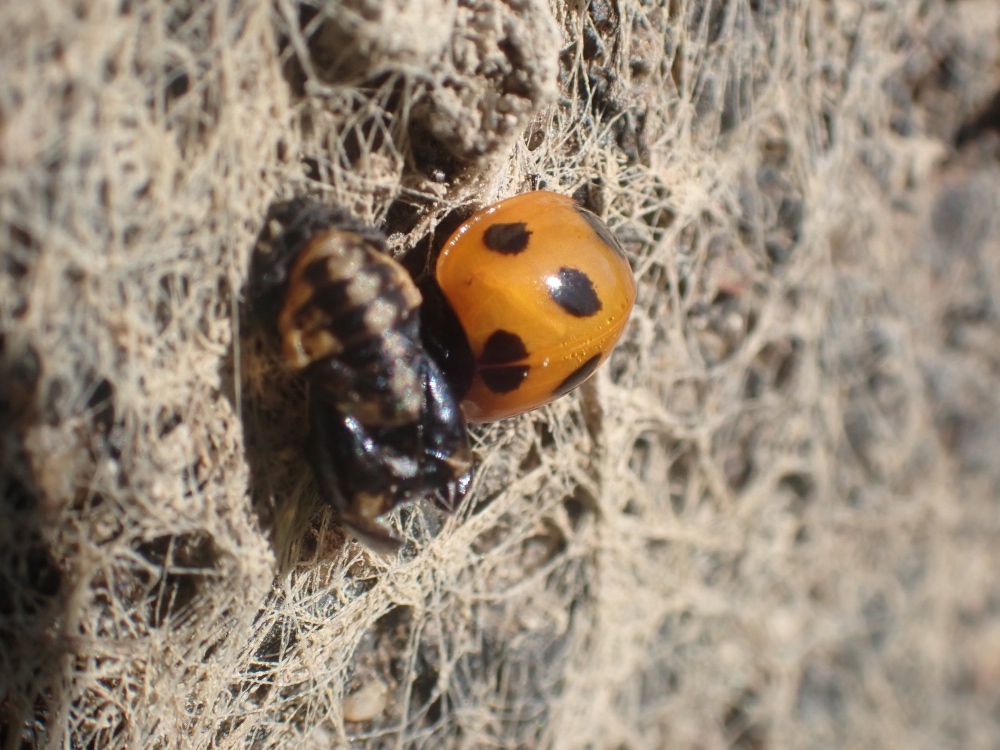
{"type": "Point", "coordinates": [384, 425]}
{"type": "Point", "coordinates": [528, 298]}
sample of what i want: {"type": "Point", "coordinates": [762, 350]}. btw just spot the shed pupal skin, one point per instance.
{"type": "Point", "coordinates": [384, 426]}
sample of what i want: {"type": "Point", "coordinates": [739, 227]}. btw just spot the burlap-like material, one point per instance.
{"type": "Point", "coordinates": [771, 520]}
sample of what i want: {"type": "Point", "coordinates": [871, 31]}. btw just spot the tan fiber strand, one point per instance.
{"type": "Point", "coordinates": [769, 521]}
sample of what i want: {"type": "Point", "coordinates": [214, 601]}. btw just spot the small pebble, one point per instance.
{"type": "Point", "coordinates": [367, 702]}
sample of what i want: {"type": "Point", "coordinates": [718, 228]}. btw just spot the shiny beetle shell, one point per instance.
{"type": "Point", "coordinates": [542, 290]}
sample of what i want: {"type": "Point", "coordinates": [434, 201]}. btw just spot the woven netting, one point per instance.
{"type": "Point", "coordinates": [770, 522]}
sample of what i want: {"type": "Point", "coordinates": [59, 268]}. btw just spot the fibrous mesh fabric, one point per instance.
{"type": "Point", "coordinates": [770, 521]}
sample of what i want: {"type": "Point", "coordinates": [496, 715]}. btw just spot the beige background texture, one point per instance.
{"type": "Point", "coordinates": [771, 521]}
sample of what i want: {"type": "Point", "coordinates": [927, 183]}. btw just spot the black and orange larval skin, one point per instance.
{"type": "Point", "coordinates": [384, 426]}
{"type": "Point", "coordinates": [541, 289]}
{"type": "Point", "coordinates": [527, 299]}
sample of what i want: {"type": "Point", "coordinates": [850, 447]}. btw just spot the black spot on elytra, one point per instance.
{"type": "Point", "coordinates": [507, 239]}
{"type": "Point", "coordinates": [574, 292]}
{"type": "Point", "coordinates": [505, 379]}
{"type": "Point", "coordinates": [578, 375]}
{"type": "Point", "coordinates": [503, 347]}
{"type": "Point", "coordinates": [601, 230]}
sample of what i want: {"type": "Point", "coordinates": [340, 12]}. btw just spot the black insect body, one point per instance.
{"type": "Point", "coordinates": [384, 427]}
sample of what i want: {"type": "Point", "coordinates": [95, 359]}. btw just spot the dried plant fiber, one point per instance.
{"type": "Point", "coordinates": [770, 522]}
